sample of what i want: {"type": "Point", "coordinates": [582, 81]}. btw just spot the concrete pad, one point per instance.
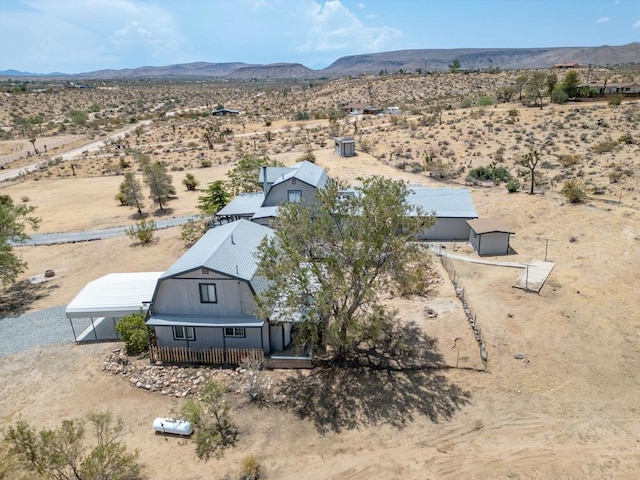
{"type": "Point", "coordinates": [534, 275]}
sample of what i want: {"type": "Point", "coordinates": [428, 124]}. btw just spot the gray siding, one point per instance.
{"type": "Point", "coordinates": [213, 337]}
{"type": "Point", "coordinates": [278, 193]}
{"type": "Point", "coordinates": [492, 243]}
{"type": "Point", "coordinates": [447, 230]}
{"type": "Point", "coordinates": [181, 295]}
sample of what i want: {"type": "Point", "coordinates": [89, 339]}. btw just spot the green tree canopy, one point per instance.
{"type": "Point", "coordinates": [216, 196]}
{"type": "Point", "coordinates": [454, 66]}
{"type": "Point", "coordinates": [61, 453]}
{"type": "Point", "coordinates": [13, 221]}
{"type": "Point", "coordinates": [244, 176]}
{"type": "Point", "coordinates": [571, 83]}
{"type": "Point", "coordinates": [130, 192]}
{"type": "Point", "coordinates": [158, 180]}
{"type": "Point", "coordinates": [331, 260]}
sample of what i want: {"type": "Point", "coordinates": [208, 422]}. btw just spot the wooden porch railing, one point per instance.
{"type": "Point", "coordinates": [211, 356]}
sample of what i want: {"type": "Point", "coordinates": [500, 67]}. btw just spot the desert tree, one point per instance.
{"type": "Point", "coordinates": [243, 177]}
{"type": "Point", "coordinates": [214, 430]}
{"type": "Point", "coordinates": [209, 133]}
{"type": "Point", "coordinates": [62, 453]}
{"type": "Point", "coordinates": [521, 82]}
{"type": "Point", "coordinates": [215, 197]}
{"type": "Point", "coordinates": [130, 192]}
{"type": "Point", "coordinates": [530, 161]}
{"type": "Point", "coordinates": [552, 81]}
{"type": "Point", "coordinates": [536, 87]}
{"type": "Point", "coordinates": [571, 83]}
{"type": "Point", "coordinates": [158, 180]}
{"type": "Point", "coordinates": [13, 222]}
{"type": "Point", "coordinates": [330, 262]}
{"type": "Point", "coordinates": [573, 190]}
{"type": "Point", "coordinates": [454, 66]}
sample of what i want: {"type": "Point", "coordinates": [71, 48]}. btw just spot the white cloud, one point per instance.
{"type": "Point", "coordinates": [332, 27]}
{"type": "Point", "coordinates": [637, 24]}
{"type": "Point", "coordinates": [603, 20]}
{"type": "Point", "coordinates": [361, 5]}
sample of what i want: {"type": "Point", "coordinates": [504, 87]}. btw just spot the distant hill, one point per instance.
{"type": "Point", "coordinates": [275, 70]}
{"type": "Point", "coordinates": [407, 60]}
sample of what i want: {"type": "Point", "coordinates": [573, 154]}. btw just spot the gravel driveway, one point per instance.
{"type": "Point", "coordinates": [22, 332]}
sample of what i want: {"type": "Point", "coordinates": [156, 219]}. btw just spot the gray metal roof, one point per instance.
{"type": "Point", "coordinates": [266, 212]}
{"type": "Point", "coordinates": [229, 249]}
{"type": "Point", "coordinates": [306, 172]}
{"type": "Point", "coordinates": [271, 174]}
{"type": "Point", "coordinates": [445, 202]}
{"type": "Point", "coordinates": [161, 320]}
{"type": "Point", "coordinates": [245, 204]}
{"type": "Point", "coordinates": [114, 295]}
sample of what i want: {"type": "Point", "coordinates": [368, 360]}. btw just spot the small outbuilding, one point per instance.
{"type": "Point", "coordinates": [345, 146]}
{"type": "Point", "coordinates": [489, 237]}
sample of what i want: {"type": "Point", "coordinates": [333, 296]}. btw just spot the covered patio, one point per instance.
{"type": "Point", "coordinates": [96, 310]}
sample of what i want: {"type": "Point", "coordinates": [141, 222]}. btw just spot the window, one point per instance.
{"type": "Point", "coordinates": [295, 196]}
{"type": "Point", "coordinates": [234, 332]}
{"type": "Point", "coordinates": [184, 333]}
{"type": "Point", "coordinates": [208, 293]}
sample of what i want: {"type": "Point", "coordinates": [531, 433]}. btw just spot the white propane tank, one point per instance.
{"type": "Point", "coordinates": [173, 426]}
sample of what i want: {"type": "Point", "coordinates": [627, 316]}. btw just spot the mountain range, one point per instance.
{"type": "Point", "coordinates": [373, 63]}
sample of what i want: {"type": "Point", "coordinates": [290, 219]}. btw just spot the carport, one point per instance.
{"type": "Point", "coordinates": [96, 310]}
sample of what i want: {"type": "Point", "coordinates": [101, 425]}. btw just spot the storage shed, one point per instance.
{"type": "Point", "coordinates": [489, 237]}
{"type": "Point", "coordinates": [345, 146]}
{"type": "Point", "coordinates": [451, 207]}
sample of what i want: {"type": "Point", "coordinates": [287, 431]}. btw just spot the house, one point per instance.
{"type": "Point", "coordinates": [567, 65]}
{"type": "Point", "coordinates": [345, 146]}
{"type": "Point", "coordinates": [204, 305]}
{"type": "Point", "coordinates": [354, 108]}
{"type": "Point", "coordinates": [489, 237]}
{"type": "Point", "coordinates": [221, 112]}
{"type": "Point", "coordinates": [371, 110]}
{"type": "Point", "coordinates": [628, 88]}
{"type": "Point", "coordinates": [297, 183]}
{"type": "Point", "coordinates": [451, 207]}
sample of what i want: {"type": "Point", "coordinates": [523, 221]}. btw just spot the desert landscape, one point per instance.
{"type": "Point", "coordinates": [557, 397]}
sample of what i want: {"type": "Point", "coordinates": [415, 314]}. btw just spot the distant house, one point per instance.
{"type": "Point", "coordinates": [393, 111]}
{"type": "Point", "coordinates": [567, 65]}
{"type": "Point", "coordinates": [628, 88]}
{"type": "Point", "coordinates": [451, 207]}
{"type": "Point", "coordinates": [345, 146]}
{"type": "Point", "coordinates": [221, 112]}
{"type": "Point", "coordinates": [489, 237]}
{"type": "Point", "coordinates": [297, 183]}
{"type": "Point", "coordinates": [204, 304]}
{"type": "Point", "coordinates": [371, 110]}
{"type": "Point", "coordinates": [354, 108]}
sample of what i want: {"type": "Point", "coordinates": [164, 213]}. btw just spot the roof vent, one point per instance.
{"type": "Point", "coordinates": [232, 242]}
{"type": "Point", "coordinates": [237, 272]}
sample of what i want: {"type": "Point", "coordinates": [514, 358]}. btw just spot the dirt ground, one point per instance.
{"type": "Point", "coordinates": [568, 409]}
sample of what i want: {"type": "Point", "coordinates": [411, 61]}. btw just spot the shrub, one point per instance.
{"type": "Point", "coordinates": [615, 100]}
{"type": "Point", "coordinates": [491, 172]}
{"type": "Point", "coordinates": [79, 117]}
{"type": "Point", "coordinates": [190, 182]}
{"type": "Point", "coordinates": [513, 185]}
{"type": "Point", "coordinates": [301, 116]}
{"type": "Point", "coordinates": [142, 231]}
{"type": "Point", "coordinates": [250, 468]}
{"type": "Point", "coordinates": [559, 95]}
{"type": "Point", "coordinates": [485, 101]}
{"type": "Point", "coordinates": [466, 102]}
{"type": "Point", "coordinates": [574, 191]}
{"type": "Point", "coordinates": [133, 332]}
{"type": "Point", "coordinates": [606, 146]}
{"type": "Point", "coordinates": [626, 139]}
{"type": "Point", "coordinates": [569, 160]}
{"type": "Point", "coordinates": [205, 163]}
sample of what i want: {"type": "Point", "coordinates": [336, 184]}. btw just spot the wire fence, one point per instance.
{"type": "Point", "coordinates": [6, 159]}
{"type": "Point", "coordinates": [472, 318]}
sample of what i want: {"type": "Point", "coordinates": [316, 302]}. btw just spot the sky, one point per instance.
{"type": "Point", "coordinates": [75, 36]}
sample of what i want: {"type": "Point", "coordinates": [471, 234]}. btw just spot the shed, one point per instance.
{"type": "Point", "coordinates": [489, 237]}
{"type": "Point", "coordinates": [345, 146]}
{"type": "Point", "coordinates": [451, 207]}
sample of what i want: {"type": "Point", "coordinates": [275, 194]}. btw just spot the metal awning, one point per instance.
{"type": "Point", "coordinates": [246, 321]}
{"type": "Point", "coordinates": [114, 295]}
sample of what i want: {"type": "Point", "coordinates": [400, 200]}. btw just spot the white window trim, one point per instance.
{"type": "Point", "coordinates": [185, 333]}
{"type": "Point", "coordinates": [205, 293]}
{"type": "Point", "coordinates": [299, 195]}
